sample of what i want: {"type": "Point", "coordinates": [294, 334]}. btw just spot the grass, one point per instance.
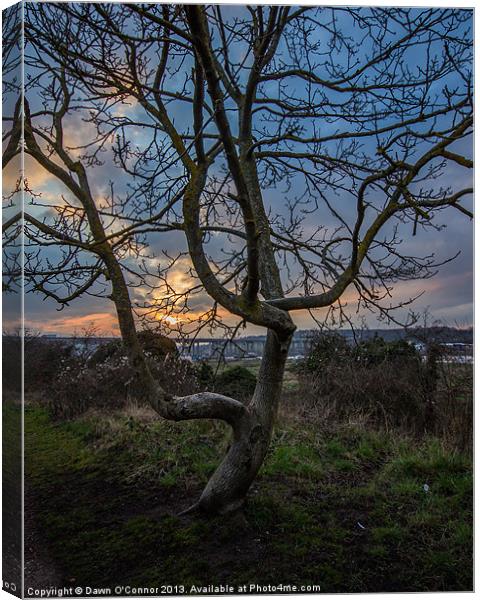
{"type": "Point", "coordinates": [347, 510]}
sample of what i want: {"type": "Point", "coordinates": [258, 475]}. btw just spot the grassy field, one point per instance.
{"type": "Point", "coordinates": [347, 510]}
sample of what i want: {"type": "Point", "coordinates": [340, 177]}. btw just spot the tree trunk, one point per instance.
{"type": "Point", "coordinates": [228, 486]}
{"type": "Point", "coordinates": [252, 426]}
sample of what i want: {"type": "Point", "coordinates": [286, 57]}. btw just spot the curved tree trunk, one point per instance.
{"type": "Point", "coordinates": [251, 426]}
{"type": "Point", "coordinates": [230, 483]}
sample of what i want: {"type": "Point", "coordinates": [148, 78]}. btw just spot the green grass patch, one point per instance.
{"type": "Point", "coordinates": [346, 510]}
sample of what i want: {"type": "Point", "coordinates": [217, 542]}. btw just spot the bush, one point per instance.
{"type": "Point", "coordinates": [43, 359]}
{"type": "Point", "coordinates": [325, 350]}
{"type": "Point", "coordinates": [12, 364]}
{"type": "Point", "coordinates": [236, 382]}
{"type": "Point", "coordinates": [377, 351]}
{"type": "Point", "coordinates": [378, 379]}
{"type": "Point", "coordinates": [205, 375]}
{"type": "Point", "coordinates": [112, 384]}
{"type": "Point", "coordinates": [390, 385]}
{"type": "Point", "coordinates": [154, 345]}
{"type": "Point", "coordinates": [70, 383]}
{"type": "Point", "coordinates": [453, 405]}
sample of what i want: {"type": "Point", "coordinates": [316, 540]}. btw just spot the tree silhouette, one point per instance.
{"type": "Point", "coordinates": [293, 148]}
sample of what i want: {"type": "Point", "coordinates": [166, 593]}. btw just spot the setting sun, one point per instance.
{"type": "Point", "coordinates": [169, 319]}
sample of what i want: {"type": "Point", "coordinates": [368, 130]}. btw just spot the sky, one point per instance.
{"type": "Point", "coordinates": [448, 296]}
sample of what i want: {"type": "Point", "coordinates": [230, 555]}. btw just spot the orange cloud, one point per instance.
{"type": "Point", "coordinates": [10, 176]}
{"type": "Point", "coordinates": [36, 176]}
{"type": "Point", "coordinates": [103, 324]}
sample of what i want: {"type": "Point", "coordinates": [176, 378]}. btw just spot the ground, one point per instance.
{"type": "Point", "coordinates": [350, 510]}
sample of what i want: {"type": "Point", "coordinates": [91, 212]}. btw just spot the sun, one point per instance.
{"type": "Point", "coordinates": [170, 319]}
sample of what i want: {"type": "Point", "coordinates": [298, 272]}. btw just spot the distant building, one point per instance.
{"type": "Point", "coordinates": [455, 341]}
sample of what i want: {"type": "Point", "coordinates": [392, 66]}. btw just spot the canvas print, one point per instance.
{"type": "Point", "coordinates": [238, 306]}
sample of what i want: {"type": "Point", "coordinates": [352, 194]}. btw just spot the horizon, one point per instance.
{"type": "Point", "coordinates": [438, 326]}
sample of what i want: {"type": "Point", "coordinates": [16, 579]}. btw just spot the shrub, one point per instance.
{"type": "Point", "coordinates": [43, 359]}
{"type": "Point", "coordinates": [237, 382]}
{"type": "Point", "coordinates": [390, 385]}
{"type": "Point", "coordinates": [71, 382]}
{"type": "Point", "coordinates": [205, 375]}
{"type": "Point", "coordinates": [375, 378]}
{"type": "Point", "coordinates": [154, 345]}
{"type": "Point", "coordinates": [377, 351]}
{"type": "Point", "coordinates": [325, 350]}
{"type": "Point", "coordinates": [111, 384]}
{"type": "Point", "coordinates": [453, 408]}
{"type": "Point", "coordinates": [11, 363]}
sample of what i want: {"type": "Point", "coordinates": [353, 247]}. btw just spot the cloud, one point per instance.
{"type": "Point", "coordinates": [102, 323]}
{"type": "Point", "coordinates": [449, 294]}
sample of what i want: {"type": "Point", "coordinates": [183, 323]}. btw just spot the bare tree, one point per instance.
{"type": "Point", "coordinates": [292, 147]}
{"type": "Point", "coordinates": [11, 133]}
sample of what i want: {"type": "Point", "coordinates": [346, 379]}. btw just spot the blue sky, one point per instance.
{"type": "Point", "coordinates": [448, 295]}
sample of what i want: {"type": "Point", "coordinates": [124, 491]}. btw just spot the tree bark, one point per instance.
{"type": "Point", "coordinates": [252, 426]}
{"type": "Point", "coordinates": [227, 489]}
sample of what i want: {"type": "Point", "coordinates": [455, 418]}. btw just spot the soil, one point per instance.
{"type": "Point", "coordinates": [41, 572]}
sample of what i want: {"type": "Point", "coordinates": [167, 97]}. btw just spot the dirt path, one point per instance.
{"type": "Point", "coordinates": [40, 569]}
